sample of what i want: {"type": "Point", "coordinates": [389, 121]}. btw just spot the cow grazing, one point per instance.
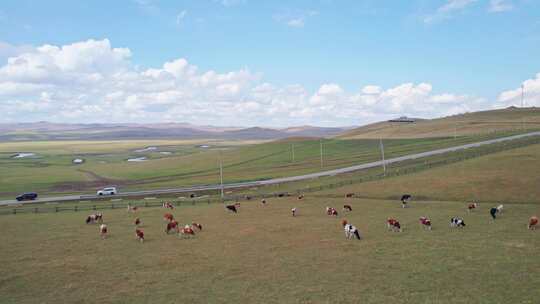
{"type": "Point", "coordinates": [168, 205]}
{"type": "Point", "coordinates": [294, 211]}
{"type": "Point", "coordinates": [91, 219]}
{"type": "Point", "coordinates": [196, 225]}
{"type": "Point", "coordinates": [168, 217]}
{"type": "Point", "coordinates": [233, 208]}
{"type": "Point", "coordinates": [349, 195]}
{"type": "Point", "coordinates": [405, 199]}
{"type": "Point", "coordinates": [94, 218]}
{"type": "Point", "coordinates": [187, 231]}
{"type": "Point", "coordinates": [472, 206]}
{"type": "Point", "coordinates": [140, 235]}
{"type": "Point", "coordinates": [331, 211]}
{"type": "Point", "coordinates": [457, 222]}
{"type": "Point", "coordinates": [347, 208]}
{"type": "Point", "coordinates": [393, 225]}
{"type": "Point", "coordinates": [426, 222]}
{"type": "Point", "coordinates": [103, 231]}
{"type": "Point", "coordinates": [172, 227]}
{"type": "Point", "coordinates": [350, 230]}
{"type": "Point", "coordinates": [493, 212]}
{"type": "Point", "coordinates": [500, 209]}
{"type": "Point", "coordinates": [137, 222]}
{"type": "Point", "coordinates": [533, 223]}
{"type": "Point", "coordinates": [301, 196]}
{"type": "Point", "coordinates": [132, 209]}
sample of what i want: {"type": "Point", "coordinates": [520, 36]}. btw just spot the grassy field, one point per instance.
{"type": "Point", "coordinates": [504, 176]}
{"type": "Point", "coordinates": [458, 125]}
{"type": "Point", "coordinates": [263, 255]}
{"type": "Point", "coordinates": [186, 163]}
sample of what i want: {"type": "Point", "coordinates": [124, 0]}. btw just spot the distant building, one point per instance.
{"type": "Point", "coordinates": [78, 161]}
{"type": "Point", "coordinates": [403, 119]}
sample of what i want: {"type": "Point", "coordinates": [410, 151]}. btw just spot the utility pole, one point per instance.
{"type": "Point", "coordinates": [382, 154]}
{"type": "Point", "coordinates": [322, 164]}
{"type": "Point", "coordinates": [221, 174]}
{"type": "Point", "coordinates": [292, 148]}
{"type": "Point", "coordinates": [522, 95]}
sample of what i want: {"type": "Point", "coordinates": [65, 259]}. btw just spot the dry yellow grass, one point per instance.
{"type": "Point", "coordinates": [512, 176]}
{"type": "Point", "coordinates": [460, 125]}
{"type": "Point", "coordinates": [263, 255]}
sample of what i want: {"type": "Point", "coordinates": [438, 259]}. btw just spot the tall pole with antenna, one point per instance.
{"type": "Point", "coordinates": [382, 154]}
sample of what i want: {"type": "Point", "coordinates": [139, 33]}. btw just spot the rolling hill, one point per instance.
{"type": "Point", "coordinates": [457, 125]}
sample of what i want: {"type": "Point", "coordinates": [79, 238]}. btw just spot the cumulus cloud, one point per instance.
{"type": "Point", "coordinates": [531, 94]}
{"type": "Point", "coordinates": [498, 6]}
{"type": "Point", "coordinates": [92, 81]}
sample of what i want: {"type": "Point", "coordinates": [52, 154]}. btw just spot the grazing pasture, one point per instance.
{"type": "Point", "coordinates": [263, 254]}
{"type": "Point", "coordinates": [105, 162]}
{"type": "Point", "coordinates": [512, 175]}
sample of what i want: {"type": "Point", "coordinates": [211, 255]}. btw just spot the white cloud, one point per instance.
{"type": "Point", "coordinates": [92, 81]}
{"type": "Point", "coordinates": [8, 50]}
{"type": "Point", "coordinates": [148, 6]}
{"type": "Point", "coordinates": [498, 6]}
{"type": "Point", "coordinates": [296, 19]}
{"type": "Point", "coordinates": [531, 94]}
{"type": "Point", "coordinates": [299, 22]}
{"type": "Point", "coordinates": [447, 10]}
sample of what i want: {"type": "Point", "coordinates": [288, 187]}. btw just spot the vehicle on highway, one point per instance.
{"type": "Point", "coordinates": [30, 196]}
{"type": "Point", "coordinates": [107, 191]}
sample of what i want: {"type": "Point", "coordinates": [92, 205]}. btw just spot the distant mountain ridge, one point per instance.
{"type": "Point", "coordinates": [108, 131]}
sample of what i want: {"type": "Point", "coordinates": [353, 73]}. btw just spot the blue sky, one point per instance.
{"type": "Point", "coordinates": [476, 51]}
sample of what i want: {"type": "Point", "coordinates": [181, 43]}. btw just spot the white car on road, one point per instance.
{"type": "Point", "coordinates": [107, 191]}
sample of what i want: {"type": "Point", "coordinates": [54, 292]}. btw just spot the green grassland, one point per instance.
{"type": "Point", "coordinates": [263, 255]}
{"type": "Point", "coordinates": [512, 176]}
{"type": "Point", "coordinates": [105, 162]}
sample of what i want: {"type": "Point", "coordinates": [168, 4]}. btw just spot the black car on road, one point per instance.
{"type": "Point", "coordinates": [27, 196]}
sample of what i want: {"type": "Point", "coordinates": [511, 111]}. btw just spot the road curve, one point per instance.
{"type": "Point", "coordinates": [283, 179]}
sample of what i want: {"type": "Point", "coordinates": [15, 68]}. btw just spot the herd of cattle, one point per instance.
{"type": "Point", "coordinates": [392, 224]}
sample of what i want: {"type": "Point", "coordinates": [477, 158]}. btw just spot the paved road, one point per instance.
{"type": "Point", "coordinates": [284, 179]}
